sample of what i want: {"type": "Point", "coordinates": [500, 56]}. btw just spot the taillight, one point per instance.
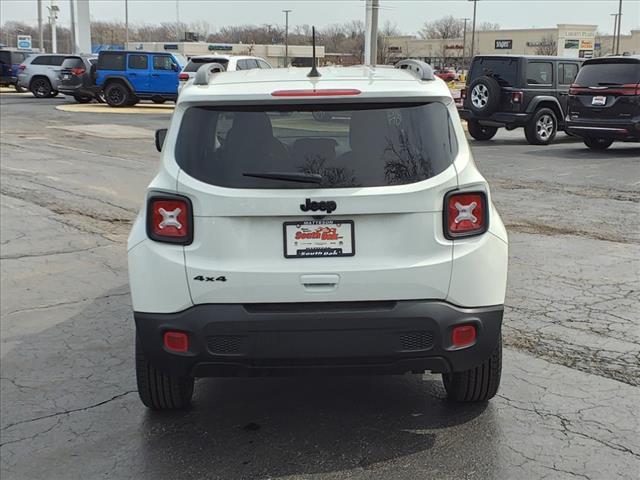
{"type": "Point", "coordinates": [169, 219]}
{"type": "Point", "coordinates": [516, 97]}
{"type": "Point", "coordinates": [463, 335]}
{"type": "Point", "coordinates": [465, 214]}
{"type": "Point", "coordinates": [574, 89]}
{"type": "Point", "coordinates": [77, 71]}
{"type": "Point", "coordinates": [183, 76]}
{"type": "Point", "coordinates": [22, 66]}
{"type": "Point", "coordinates": [463, 93]}
{"type": "Point", "coordinates": [176, 341]}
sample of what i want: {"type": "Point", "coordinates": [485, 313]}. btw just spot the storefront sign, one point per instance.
{"type": "Point", "coordinates": [504, 44]}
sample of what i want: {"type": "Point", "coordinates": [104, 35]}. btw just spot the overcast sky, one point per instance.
{"type": "Point", "coordinates": [408, 15]}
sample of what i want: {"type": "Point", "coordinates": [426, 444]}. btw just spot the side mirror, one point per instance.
{"type": "Point", "coordinates": [160, 134]}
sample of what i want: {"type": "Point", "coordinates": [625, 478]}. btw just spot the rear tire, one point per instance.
{"type": "Point", "coordinates": [83, 98]}
{"type": "Point", "coordinates": [478, 384]}
{"type": "Point", "coordinates": [542, 128]}
{"type": "Point", "coordinates": [158, 100]}
{"type": "Point", "coordinates": [117, 95]}
{"type": "Point", "coordinates": [480, 132]}
{"type": "Point", "coordinates": [597, 143]}
{"type": "Point", "coordinates": [159, 391]}
{"type": "Point", "coordinates": [41, 87]}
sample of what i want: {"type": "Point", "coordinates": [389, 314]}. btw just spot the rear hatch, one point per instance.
{"type": "Point", "coordinates": [72, 72]}
{"type": "Point", "coordinates": [606, 89]}
{"type": "Point", "coordinates": [296, 203]}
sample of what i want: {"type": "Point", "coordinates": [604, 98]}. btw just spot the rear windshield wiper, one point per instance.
{"type": "Point", "coordinates": [287, 176]}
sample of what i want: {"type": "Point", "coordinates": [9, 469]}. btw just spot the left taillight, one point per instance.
{"type": "Point", "coordinates": [170, 219]}
{"type": "Point", "coordinates": [22, 66]}
{"type": "Point", "coordinates": [465, 214]}
{"type": "Point", "coordinates": [183, 76]}
{"type": "Point", "coordinates": [77, 71]}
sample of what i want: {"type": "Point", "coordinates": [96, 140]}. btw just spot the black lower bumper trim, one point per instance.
{"type": "Point", "coordinates": [346, 337]}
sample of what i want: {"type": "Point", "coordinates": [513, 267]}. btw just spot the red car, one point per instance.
{"type": "Point", "coordinates": [446, 74]}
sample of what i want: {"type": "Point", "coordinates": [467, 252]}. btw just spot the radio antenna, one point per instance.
{"type": "Point", "coordinates": [314, 71]}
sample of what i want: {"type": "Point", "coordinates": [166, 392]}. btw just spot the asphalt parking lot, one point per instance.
{"type": "Point", "coordinates": [72, 183]}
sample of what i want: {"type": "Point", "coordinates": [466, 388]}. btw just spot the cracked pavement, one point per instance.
{"type": "Point", "coordinates": [567, 406]}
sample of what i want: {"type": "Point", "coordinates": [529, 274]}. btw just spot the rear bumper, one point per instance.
{"type": "Point", "coordinates": [497, 119]}
{"type": "Point", "coordinates": [625, 131]}
{"type": "Point", "coordinates": [8, 80]}
{"type": "Point", "coordinates": [343, 337]}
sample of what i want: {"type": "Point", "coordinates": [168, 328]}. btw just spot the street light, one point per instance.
{"type": "Point", "coordinates": [473, 31]}
{"type": "Point", "coordinates": [619, 27]}
{"type": "Point", "coordinates": [613, 38]}
{"type": "Point", "coordinates": [464, 43]}
{"type": "Point", "coordinates": [286, 37]}
{"type": "Point", "coordinates": [126, 23]}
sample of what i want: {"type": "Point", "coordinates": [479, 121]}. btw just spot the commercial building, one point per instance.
{"type": "Point", "coordinates": [566, 40]}
{"type": "Point", "coordinates": [299, 55]}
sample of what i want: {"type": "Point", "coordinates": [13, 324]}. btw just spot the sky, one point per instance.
{"type": "Point", "coordinates": [408, 15]}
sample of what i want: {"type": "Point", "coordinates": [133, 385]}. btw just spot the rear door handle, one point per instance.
{"type": "Point", "coordinates": [319, 283]}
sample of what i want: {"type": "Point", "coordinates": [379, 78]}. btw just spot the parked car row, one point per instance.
{"type": "Point", "coordinates": [598, 100]}
{"type": "Point", "coordinates": [119, 78]}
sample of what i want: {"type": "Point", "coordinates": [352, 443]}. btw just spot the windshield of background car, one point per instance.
{"type": "Point", "coordinates": [503, 70]}
{"type": "Point", "coordinates": [348, 146]}
{"type": "Point", "coordinates": [195, 63]}
{"type": "Point", "coordinates": [596, 74]}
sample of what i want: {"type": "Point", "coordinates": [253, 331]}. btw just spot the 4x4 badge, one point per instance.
{"type": "Point", "coordinates": [328, 207]}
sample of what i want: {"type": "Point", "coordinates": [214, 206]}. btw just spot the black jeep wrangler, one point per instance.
{"type": "Point", "coordinates": [514, 91]}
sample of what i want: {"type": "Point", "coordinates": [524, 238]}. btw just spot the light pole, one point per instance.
{"type": "Point", "coordinates": [619, 25]}
{"type": "Point", "coordinates": [613, 37]}
{"type": "Point", "coordinates": [286, 37]}
{"type": "Point", "coordinates": [473, 28]}
{"type": "Point", "coordinates": [126, 24]}
{"type": "Point", "coordinates": [40, 32]}
{"type": "Point", "coordinates": [178, 28]}
{"type": "Point", "coordinates": [72, 10]}
{"type": "Point", "coordinates": [53, 16]}
{"type": "Point", "coordinates": [464, 43]}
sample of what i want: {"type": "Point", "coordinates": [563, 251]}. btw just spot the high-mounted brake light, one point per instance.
{"type": "Point", "coordinates": [465, 214]}
{"type": "Point", "coordinates": [325, 92]}
{"type": "Point", "coordinates": [183, 76]}
{"type": "Point", "coordinates": [77, 71]}
{"type": "Point", "coordinates": [169, 219]}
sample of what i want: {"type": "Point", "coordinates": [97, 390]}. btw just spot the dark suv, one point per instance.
{"type": "Point", "coordinates": [514, 91]}
{"type": "Point", "coordinates": [77, 77]}
{"type": "Point", "coordinates": [604, 102]}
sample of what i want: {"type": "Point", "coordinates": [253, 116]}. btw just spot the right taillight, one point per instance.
{"type": "Point", "coordinates": [22, 66]}
{"type": "Point", "coordinates": [465, 214]}
{"type": "Point", "coordinates": [183, 76]}
{"type": "Point", "coordinates": [169, 219]}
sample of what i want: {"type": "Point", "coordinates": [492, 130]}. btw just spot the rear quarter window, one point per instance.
{"type": "Point", "coordinates": [347, 145]}
{"type": "Point", "coordinates": [112, 61]}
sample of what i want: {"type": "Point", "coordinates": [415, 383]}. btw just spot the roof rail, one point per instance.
{"type": "Point", "coordinates": [420, 69]}
{"type": "Point", "coordinates": [204, 72]}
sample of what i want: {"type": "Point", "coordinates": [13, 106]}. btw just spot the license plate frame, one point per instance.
{"type": "Point", "coordinates": [343, 245]}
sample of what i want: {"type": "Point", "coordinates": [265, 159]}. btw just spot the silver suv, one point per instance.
{"type": "Point", "coordinates": [40, 74]}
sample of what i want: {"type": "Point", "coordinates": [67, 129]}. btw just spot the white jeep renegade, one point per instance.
{"type": "Point", "coordinates": [302, 224]}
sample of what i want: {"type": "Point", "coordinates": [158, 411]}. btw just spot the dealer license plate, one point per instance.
{"type": "Point", "coordinates": [319, 238]}
{"type": "Point", "coordinates": [599, 100]}
{"type": "Point", "coordinates": [66, 76]}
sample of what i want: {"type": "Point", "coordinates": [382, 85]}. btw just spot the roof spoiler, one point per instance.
{"type": "Point", "coordinates": [420, 69]}
{"type": "Point", "coordinates": [205, 71]}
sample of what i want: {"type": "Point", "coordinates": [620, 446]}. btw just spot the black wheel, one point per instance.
{"type": "Point", "coordinates": [478, 384]}
{"type": "Point", "coordinates": [83, 98]}
{"type": "Point", "coordinates": [158, 100]}
{"type": "Point", "coordinates": [19, 89]}
{"type": "Point", "coordinates": [484, 96]}
{"type": "Point", "coordinates": [117, 95]}
{"type": "Point", "coordinates": [480, 132]}
{"type": "Point", "coordinates": [160, 391]}
{"type": "Point", "coordinates": [542, 128]}
{"type": "Point", "coordinates": [595, 143]}
{"type": "Point", "coordinates": [41, 87]}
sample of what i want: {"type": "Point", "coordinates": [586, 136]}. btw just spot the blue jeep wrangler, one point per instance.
{"type": "Point", "coordinates": [10, 61]}
{"type": "Point", "coordinates": [126, 77]}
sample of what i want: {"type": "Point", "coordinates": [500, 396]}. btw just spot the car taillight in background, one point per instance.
{"type": "Point", "coordinates": [516, 97]}
{"type": "Point", "coordinates": [169, 219]}
{"type": "Point", "coordinates": [463, 93]}
{"type": "Point", "coordinates": [22, 66]}
{"type": "Point", "coordinates": [77, 71]}
{"type": "Point", "coordinates": [183, 76]}
{"type": "Point", "coordinates": [465, 214]}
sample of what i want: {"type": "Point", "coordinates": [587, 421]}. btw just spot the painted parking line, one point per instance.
{"type": "Point", "coordinates": [104, 108]}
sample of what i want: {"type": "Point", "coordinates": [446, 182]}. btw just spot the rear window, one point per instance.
{"type": "Point", "coordinates": [602, 74]}
{"type": "Point", "coordinates": [195, 63]}
{"type": "Point", "coordinates": [504, 70]}
{"type": "Point", "coordinates": [347, 146]}
{"type": "Point", "coordinates": [72, 62]}
{"type": "Point", "coordinates": [112, 61]}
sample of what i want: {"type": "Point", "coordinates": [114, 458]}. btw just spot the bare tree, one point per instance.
{"type": "Point", "coordinates": [548, 46]}
{"type": "Point", "coordinates": [486, 26]}
{"type": "Point", "coordinates": [389, 30]}
{"type": "Point", "coordinates": [445, 27]}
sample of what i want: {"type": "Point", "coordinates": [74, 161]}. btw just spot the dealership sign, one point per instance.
{"type": "Point", "coordinates": [504, 44]}
{"type": "Point", "coordinates": [24, 42]}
